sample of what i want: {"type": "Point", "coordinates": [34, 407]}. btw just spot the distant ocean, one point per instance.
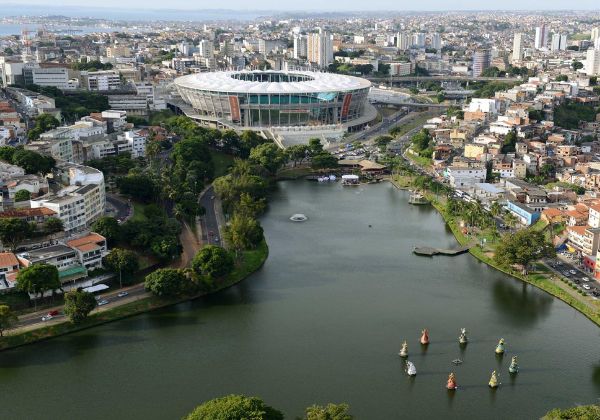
{"type": "Point", "coordinates": [12, 29]}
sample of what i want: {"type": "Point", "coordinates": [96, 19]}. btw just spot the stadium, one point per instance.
{"type": "Point", "coordinates": [267, 99]}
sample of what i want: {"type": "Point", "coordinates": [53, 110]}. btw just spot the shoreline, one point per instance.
{"type": "Point", "coordinates": [144, 305]}
{"type": "Point", "coordinates": [542, 284]}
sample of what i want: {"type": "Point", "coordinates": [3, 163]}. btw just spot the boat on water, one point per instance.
{"type": "Point", "coordinates": [493, 383]}
{"type": "Point", "coordinates": [417, 198]}
{"type": "Point", "coordinates": [425, 337]}
{"type": "Point", "coordinates": [457, 362]}
{"type": "Point", "coordinates": [411, 370]}
{"type": "Point", "coordinates": [350, 180]}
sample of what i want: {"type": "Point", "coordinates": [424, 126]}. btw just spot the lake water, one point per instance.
{"type": "Point", "coordinates": [323, 321]}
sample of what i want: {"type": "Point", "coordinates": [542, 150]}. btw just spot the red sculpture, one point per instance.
{"type": "Point", "coordinates": [425, 336]}
{"type": "Point", "coordinates": [451, 384]}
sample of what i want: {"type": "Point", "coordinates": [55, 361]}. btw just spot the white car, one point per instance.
{"type": "Point", "coordinates": [585, 279]}
{"type": "Point", "coordinates": [573, 272]}
{"type": "Point", "coordinates": [47, 317]}
{"type": "Point", "coordinates": [586, 286]}
{"type": "Point", "coordinates": [102, 302]}
{"type": "Point", "coordinates": [122, 294]}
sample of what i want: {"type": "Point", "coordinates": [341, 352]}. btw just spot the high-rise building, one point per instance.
{"type": "Point", "coordinates": [542, 33]}
{"type": "Point", "coordinates": [418, 40]}
{"type": "Point", "coordinates": [592, 62]}
{"type": "Point", "coordinates": [559, 42]}
{"type": "Point", "coordinates": [595, 34]}
{"type": "Point", "coordinates": [517, 54]}
{"type": "Point", "coordinates": [206, 49]}
{"type": "Point", "coordinates": [320, 48]}
{"type": "Point", "coordinates": [436, 41]}
{"type": "Point", "coordinates": [402, 41]}
{"type": "Point", "coordinates": [300, 46]}
{"type": "Point", "coordinates": [481, 61]}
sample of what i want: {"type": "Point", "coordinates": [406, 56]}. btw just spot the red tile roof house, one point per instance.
{"type": "Point", "coordinates": [91, 249]}
{"type": "Point", "coordinates": [9, 267]}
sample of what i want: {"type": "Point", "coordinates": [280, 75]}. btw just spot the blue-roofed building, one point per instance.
{"type": "Point", "coordinates": [526, 214]}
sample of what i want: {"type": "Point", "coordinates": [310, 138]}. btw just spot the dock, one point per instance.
{"type": "Point", "coordinates": [430, 252]}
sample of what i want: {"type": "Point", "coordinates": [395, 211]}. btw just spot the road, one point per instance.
{"type": "Point", "coordinates": [443, 78]}
{"type": "Point", "coordinates": [209, 222]}
{"type": "Point", "coordinates": [562, 267]}
{"type": "Point", "coordinates": [121, 206]}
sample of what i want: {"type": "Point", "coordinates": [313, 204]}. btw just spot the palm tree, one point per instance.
{"type": "Point", "coordinates": [496, 209]}
{"type": "Point", "coordinates": [511, 220]}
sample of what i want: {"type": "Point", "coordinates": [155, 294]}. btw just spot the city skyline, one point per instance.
{"type": "Point", "coordinates": [317, 6]}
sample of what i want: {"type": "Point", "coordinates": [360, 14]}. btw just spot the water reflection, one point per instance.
{"type": "Point", "coordinates": [521, 308]}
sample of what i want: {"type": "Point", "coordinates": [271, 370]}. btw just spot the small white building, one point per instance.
{"type": "Point", "coordinates": [463, 178]}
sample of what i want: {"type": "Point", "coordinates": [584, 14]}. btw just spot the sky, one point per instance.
{"type": "Point", "coordinates": [333, 5]}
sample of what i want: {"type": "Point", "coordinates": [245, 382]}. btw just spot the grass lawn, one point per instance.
{"type": "Point", "coordinates": [414, 123]}
{"type": "Point", "coordinates": [138, 211]}
{"type": "Point", "coordinates": [222, 162]}
{"type": "Point", "coordinates": [293, 173]}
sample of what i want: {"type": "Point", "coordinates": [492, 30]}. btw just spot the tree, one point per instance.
{"type": "Point", "coordinates": [522, 248]}
{"type": "Point", "coordinates": [382, 141]}
{"type": "Point", "coordinates": [43, 123]}
{"type": "Point", "coordinates": [243, 232]}
{"type": "Point", "coordinates": [421, 140]}
{"type": "Point", "coordinates": [576, 65]}
{"type": "Point", "coordinates": [250, 207]}
{"type": "Point", "coordinates": [297, 153]}
{"type": "Point", "coordinates": [7, 319]}
{"type": "Point", "coordinates": [329, 412]}
{"type": "Point", "coordinates": [122, 261]}
{"type": "Point", "coordinates": [213, 261]}
{"type": "Point", "coordinates": [108, 227]}
{"type": "Point", "coordinates": [22, 195]}
{"type": "Point", "coordinates": [314, 146]}
{"type": "Point", "coordinates": [13, 231]}
{"type": "Point", "coordinates": [138, 186]}
{"type": "Point", "coordinates": [268, 155]}
{"type": "Point", "coordinates": [235, 407]}
{"type": "Point", "coordinates": [496, 209]}
{"type": "Point", "coordinates": [7, 153]}
{"type": "Point", "coordinates": [38, 279]}
{"type": "Point", "coordinates": [53, 225]}
{"type": "Point", "coordinates": [510, 141]}
{"type": "Point", "coordinates": [562, 78]}
{"type": "Point", "coordinates": [32, 162]}
{"type": "Point", "coordinates": [78, 305]}
{"type": "Point", "coordinates": [167, 282]}
{"type": "Point", "coordinates": [324, 160]}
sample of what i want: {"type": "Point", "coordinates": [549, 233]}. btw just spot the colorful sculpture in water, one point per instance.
{"type": "Point", "coordinates": [425, 336]}
{"type": "Point", "coordinates": [500, 347]}
{"type": "Point", "coordinates": [403, 350]}
{"type": "Point", "coordinates": [463, 339]}
{"type": "Point", "coordinates": [514, 366]}
{"type": "Point", "coordinates": [493, 383]}
{"type": "Point", "coordinates": [451, 383]}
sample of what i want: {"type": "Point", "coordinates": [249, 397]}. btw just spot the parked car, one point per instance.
{"type": "Point", "coordinates": [573, 272]}
{"type": "Point", "coordinates": [50, 315]}
{"type": "Point", "coordinates": [122, 294]}
{"type": "Point", "coordinates": [566, 274]}
{"type": "Point", "coordinates": [586, 286]}
{"type": "Point", "coordinates": [585, 278]}
{"type": "Point", "coordinates": [102, 302]}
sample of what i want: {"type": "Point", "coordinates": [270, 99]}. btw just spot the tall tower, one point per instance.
{"type": "Point", "coordinates": [300, 46]}
{"type": "Point", "coordinates": [481, 61]}
{"type": "Point", "coordinates": [320, 48]}
{"type": "Point", "coordinates": [541, 36]}
{"type": "Point", "coordinates": [517, 54]}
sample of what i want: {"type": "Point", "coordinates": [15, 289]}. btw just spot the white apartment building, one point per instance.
{"type": "Point", "coordinates": [592, 62]}
{"type": "Point", "coordinates": [136, 139]}
{"type": "Point", "coordinates": [460, 177]}
{"type": "Point", "coordinates": [517, 54]}
{"type": "Point", "coordinates": [300, 46]}
{"type": "Point", "coordinates": [488, 106]}
{"type": "Point", "coordinates": [400, 69]}
{"type": "Point", "coordinates": [402, 41]}
{"type": "Point", "coordinates": [57, 77]}
{"type": "Point", "coordinates": [101, 80]}
{"type": "Point", "coordinates": [132, 104]}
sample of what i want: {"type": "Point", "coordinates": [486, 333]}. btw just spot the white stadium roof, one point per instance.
{"type": "Point", "coordinates": [224, 82]}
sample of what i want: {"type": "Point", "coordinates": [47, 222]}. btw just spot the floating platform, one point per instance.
{"type": "Point", "coordinates": [430, 252]}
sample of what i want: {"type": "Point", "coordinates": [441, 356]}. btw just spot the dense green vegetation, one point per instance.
{"type": "Point", "coordinates": [489, 89]}
{"type": "Point", "coordinates": [30, 161]}
{"type": "Point", "coordinates": [522, 248]}
{"type": "Point", "coordinates": [43, 123]}
{"type": "Point", "coordinates": [236, 407]}
{"type": "Point", "coordinates": [93, 65]}
{"type": "Point", "coordinates": [7, 319]}
{"type": "Point", "coordinates": [38, 279]}
{"type": "Point", "coordinates": [421, 143]}
{"type": "Point", "coordinates": [73, 105]}
{"type": "Point", "coordinates": [582, 412]}
{"type": "Point", "coordinates": [568, 115]}
{"type": "Point", "coordinates": [122, 262]}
